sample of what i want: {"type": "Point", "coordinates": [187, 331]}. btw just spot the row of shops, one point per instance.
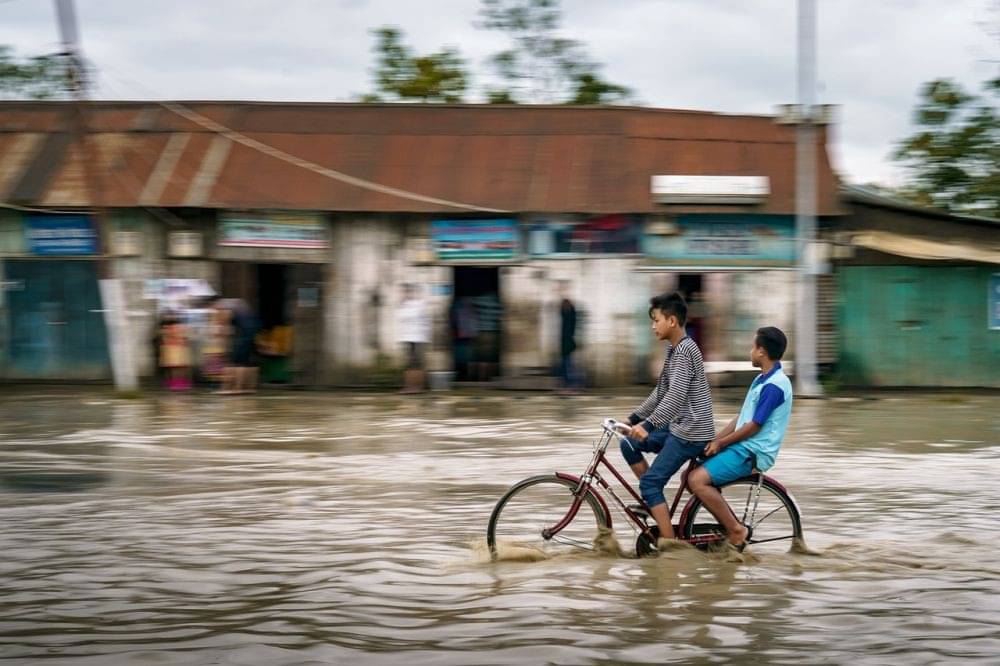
{"type": "Point", "coordinates": [335, 282]}
{"type": "Point", "coordinates": [330, 268]}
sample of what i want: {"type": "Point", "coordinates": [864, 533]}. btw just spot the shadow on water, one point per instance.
{"type": "Point", "coordinates": [55, 482]}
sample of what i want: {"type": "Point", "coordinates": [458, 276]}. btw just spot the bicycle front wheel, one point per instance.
{"type": "Point", "coordinates": [777, 526]}
{"type": "Point", "coordinates": [521, 522]}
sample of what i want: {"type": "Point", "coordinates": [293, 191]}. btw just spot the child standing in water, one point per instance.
{"type": "Point", "coordinates": [175, 355]}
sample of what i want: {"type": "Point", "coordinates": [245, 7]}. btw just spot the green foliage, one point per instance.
{"type": "Point", "coordinates": [438, 77]}
{"type": "Point", "coordinates": [954, 157]}
{"type": "Point", "coordinates": [591, 89]}
{"type": "Point", "coordinates": [541, 67]}
{"type": "Point", "coordinates": [38, 77]}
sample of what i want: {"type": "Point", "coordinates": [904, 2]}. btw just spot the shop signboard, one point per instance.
{"type": "Point", "coordinates": [474, 240]}
{"type": "Point", "coordinates": [725, 240]}
{"type": "Point", "coordinates": [60, 235]}
{"type": "Point", "coordinates": [275, 229]}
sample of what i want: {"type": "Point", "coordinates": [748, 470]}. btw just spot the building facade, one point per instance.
{"type": "Point", "coordinates": [317, 214]}
{"type": "Point", "coordinates": [918, 295]}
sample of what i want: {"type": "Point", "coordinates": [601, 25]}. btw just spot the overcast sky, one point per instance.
{"type": "Point", "coordinates": [735, 56]}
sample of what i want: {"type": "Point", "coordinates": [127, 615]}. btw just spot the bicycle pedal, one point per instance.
{"type": "Point", "coordinates": [639, 510]}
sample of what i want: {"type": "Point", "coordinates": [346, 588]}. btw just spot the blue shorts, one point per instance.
{"type": "Point", "coordinates": [731, 463]}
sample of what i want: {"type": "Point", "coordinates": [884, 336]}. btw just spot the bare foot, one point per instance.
{"type": "Point", "coordinates": [670, 543]}
{"type": "Point", "coordinates": [739, 537]}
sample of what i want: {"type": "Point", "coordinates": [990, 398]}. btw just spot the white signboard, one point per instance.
{"type": "Point", "coordinates": [710, 189]}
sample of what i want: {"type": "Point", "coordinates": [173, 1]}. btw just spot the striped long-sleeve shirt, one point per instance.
{"type": "Point", "coordinates": [681, 398]}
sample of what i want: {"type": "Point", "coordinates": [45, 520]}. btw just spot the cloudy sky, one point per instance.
{"type": "Point", "coordinates": [735, 56]}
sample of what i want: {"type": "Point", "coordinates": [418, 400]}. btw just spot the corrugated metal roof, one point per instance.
{"type": "Point", "coordinates": [516, 158]}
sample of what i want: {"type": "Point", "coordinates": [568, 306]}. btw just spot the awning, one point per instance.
{"type": "Point", "coordinates": [918, 247]}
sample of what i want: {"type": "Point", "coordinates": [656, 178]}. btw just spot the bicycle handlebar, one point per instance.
{"type": "Point", "coordinates": [615, 427]}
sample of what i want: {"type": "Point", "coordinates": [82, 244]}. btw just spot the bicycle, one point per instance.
{"type": "Point", "coordinates": [533, 513]}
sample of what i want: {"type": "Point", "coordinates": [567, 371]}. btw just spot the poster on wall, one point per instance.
{"type": "Point", "coordinates": [726, 240]}
{"type": "Point", "coordinates": [275, 229]}
{"type": "Point", "coordinates": [472, 240]}
{"type": "Point", "coordinates": [61, 235]}
{"type": "Point", "coordinates": [605, 234]}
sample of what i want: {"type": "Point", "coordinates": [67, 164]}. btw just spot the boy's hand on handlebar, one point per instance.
{"type": "Point", "coordinates": [639, 433]}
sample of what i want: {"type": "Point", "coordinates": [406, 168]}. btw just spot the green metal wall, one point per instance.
{"type": "Point", "coordinates": [916, 326]}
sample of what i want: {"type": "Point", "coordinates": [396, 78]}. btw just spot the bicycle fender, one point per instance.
{"type": "Point", "coordinates": [600, 500]}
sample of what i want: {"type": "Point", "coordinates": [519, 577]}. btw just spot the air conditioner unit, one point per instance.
{"type": "Point", "coordinates": [126, 243]}
{"type": "Point", "coordinates": [419, 251]}
{"type": "Point", "coordinates": [184, 244]}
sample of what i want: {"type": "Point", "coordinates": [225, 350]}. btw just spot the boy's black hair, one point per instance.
{"type": "Point", "coordinates": [772, 340]}
{"type": "Point", "coordinates": [670, 304]}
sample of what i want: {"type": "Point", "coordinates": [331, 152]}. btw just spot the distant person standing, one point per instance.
{"type": "Point", "coordinates": [241, 375]}
{"type": "Point", "coordinates": [464, 328]}
{"type": "Point", "coordinates": [568, 319]}
{"type": "Point", "coordinates": [414, 333]}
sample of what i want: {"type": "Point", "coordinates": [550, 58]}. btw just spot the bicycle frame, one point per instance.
{"type": "Point", "coordinates": [586, 482]}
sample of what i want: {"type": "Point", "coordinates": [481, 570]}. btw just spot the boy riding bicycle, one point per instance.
{"type": "Point", "coordinates": [675, 421]}
{"type": "Point", "coordinates": [753, 438]}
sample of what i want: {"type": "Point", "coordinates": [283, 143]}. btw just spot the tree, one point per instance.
{"type": "Point", "coordinates": [37, 77]}
{"type": "Point", "coordinates": [540, 66]}
{"type": "Point", "coordinates": [438, 77]}
{"type": "Point", "coordinates": [591, 89]}
{"type": "Point", "coordinates": [954, 157]}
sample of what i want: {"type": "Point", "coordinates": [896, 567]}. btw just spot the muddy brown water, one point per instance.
{"type": "Point", "coordinates": [295, 528]}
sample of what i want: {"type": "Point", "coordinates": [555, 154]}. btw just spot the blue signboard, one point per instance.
{"type": "Point", "coordinates": [994, 301]}
{"type": "Point", "coordinates": [49, 235]}
{"type": "Point", "coordinates": [471, 240]}
{"type": "Point", "coordinates": [726, 240]}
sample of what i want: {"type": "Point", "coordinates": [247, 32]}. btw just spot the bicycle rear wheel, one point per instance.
{"type": "Point", "coordinates": [520, 518]}
{"type": "Point", "coordinates": [773, 515]}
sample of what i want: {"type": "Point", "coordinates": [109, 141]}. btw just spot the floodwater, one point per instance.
{"type": "Point", "coordinates": [295, 528]}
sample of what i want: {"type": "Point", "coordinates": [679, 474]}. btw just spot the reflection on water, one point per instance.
{"type": "Point", "coordinates": [297, 528]}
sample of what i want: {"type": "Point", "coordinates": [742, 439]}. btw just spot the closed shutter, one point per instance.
{"type": "Point", "coordinates": [826, 319]}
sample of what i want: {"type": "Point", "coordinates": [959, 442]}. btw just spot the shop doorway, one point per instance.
{"type": "Point", "coordinates": [476, 318]}
{"type": "Point", "coordinates": [691, 286]}
{"type": "Point", "coordinates": [285, 300]}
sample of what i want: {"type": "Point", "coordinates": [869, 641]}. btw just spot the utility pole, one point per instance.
{"type": "Point", "coordinates": [113, 303]}
{"type": "Point", "coordinates": [805, 206]}
{"type": "Point", "coordinates": [77, 80]}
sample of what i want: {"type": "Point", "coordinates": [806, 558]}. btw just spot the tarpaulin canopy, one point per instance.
{"type": "Point", "coordinates": [918, 247]}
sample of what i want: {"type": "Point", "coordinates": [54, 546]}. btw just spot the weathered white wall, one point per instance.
{"type": "Point", "coordinates": [741, 302]}
{"type": "Point", "coordinates": [609, 295]}
{"type": "Point", "coordinates": [370, 254]}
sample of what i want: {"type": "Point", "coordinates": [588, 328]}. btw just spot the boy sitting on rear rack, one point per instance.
{"type": "Point", "coordinates": [752, 439]}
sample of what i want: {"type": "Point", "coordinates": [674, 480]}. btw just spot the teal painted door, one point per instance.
{"type": "Point", "coordinates": [916, 326]}
{"type": "Point", "coordinates": [55, 327]}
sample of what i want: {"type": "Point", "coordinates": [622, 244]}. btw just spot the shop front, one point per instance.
{"type": "Point", "coordinates": [735, 269]}
{"type": "Point", "coordinates": [274, 262]}
{"type": "Point", "coordinates": [53, 324]}
{"type": "Point", "coordinates": [476, 251]}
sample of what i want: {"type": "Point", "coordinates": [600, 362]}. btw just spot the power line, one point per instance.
{"type": "Point", "coordinates": [277, 153]}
